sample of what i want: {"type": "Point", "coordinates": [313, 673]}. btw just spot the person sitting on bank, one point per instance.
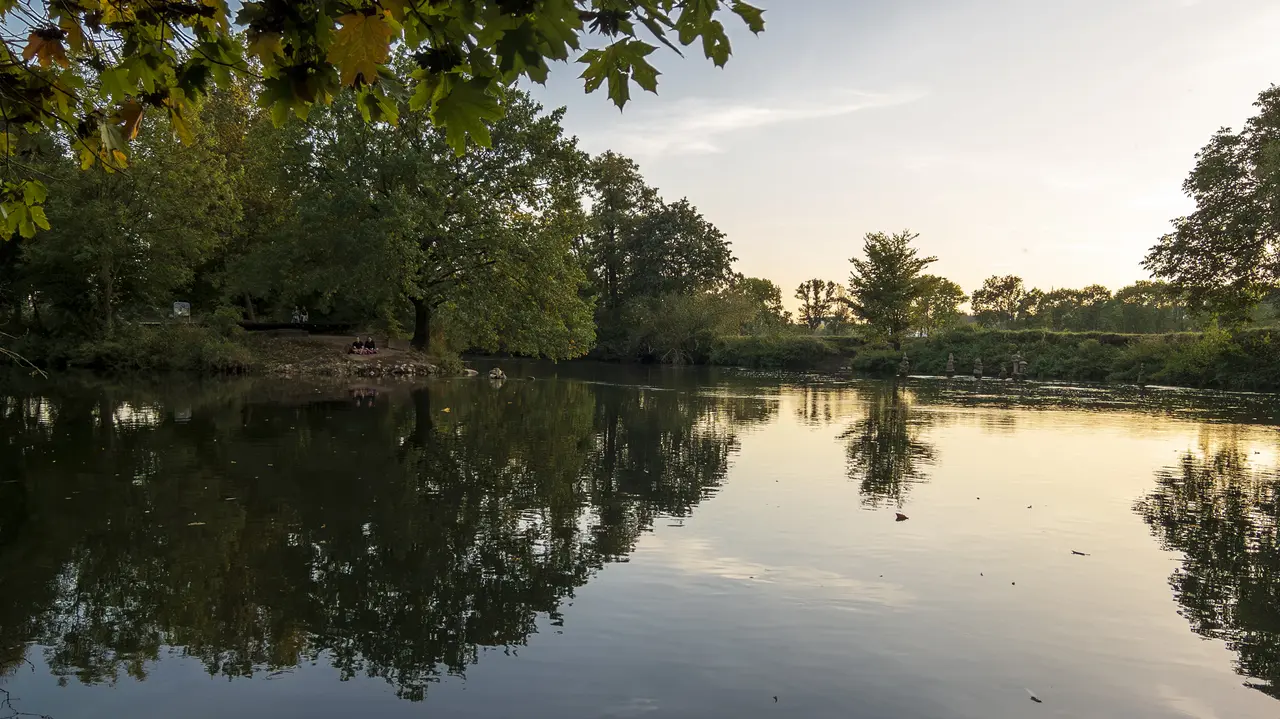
{"type": "Point", "coordinates": [370, 347]}
{"type": "Point", "coordinates": [356, 348]}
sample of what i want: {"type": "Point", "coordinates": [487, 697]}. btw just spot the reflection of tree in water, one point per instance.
{"type": "Point", "coordinates": [394, 540]}
{"type": "Point", "coordinates": [885, 452]}
{"type": "Point", "coordinates": [1221, 514]}
{"type": "Point", "coordinates": [819, 405]}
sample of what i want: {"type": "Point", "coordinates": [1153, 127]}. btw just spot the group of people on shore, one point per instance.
{"type": "Point", "coordinates": [363, 347]}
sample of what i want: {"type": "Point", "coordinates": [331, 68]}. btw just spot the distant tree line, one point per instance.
{"type": "Point", "coordinates": [1143, 307]}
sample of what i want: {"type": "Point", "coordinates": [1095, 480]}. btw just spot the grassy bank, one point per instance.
{"type": "Point", "coordinates": [212, 350]}
{"type": "Point", "coordinates": [1248, 360]}
{"type": "Point", "coordinates": [1218, 359]}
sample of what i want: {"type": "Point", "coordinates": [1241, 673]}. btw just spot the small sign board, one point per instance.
{"type": "Point", "coordinates": [181, 309]}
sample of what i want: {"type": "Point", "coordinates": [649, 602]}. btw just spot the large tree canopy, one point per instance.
{"type": "Point", "coordinates": [90, 69]}
{"type": "Point", "coordinates": [394, 219]}
{"type": "Point", "coordinates": [1224, 255]}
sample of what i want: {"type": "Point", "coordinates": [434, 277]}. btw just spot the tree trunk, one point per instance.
{"type": "Point", "coordinates": [421, 324]}
{"type": "Point", "coordinates": [248, 308]}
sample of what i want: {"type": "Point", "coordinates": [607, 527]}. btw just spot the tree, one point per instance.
{"type": "Point", "coordinates": [937, 306]}
{"type": "Point", "coordinates": [1001, 301]}
{"type": "Point", "coordinates": [672, 248]}
{"type": "Point", "coordinates": [479, 243]}
{"type": "Point", "coordinates": [816, 300]}
{"type": "Point", "coordinates": [884, 285]}
{"type": "Point", "coordinates": [619, 199]}
{"type": "Point", "coordinates": [124, 244]}
{"type": "Point", "coordinates": [1223, 255]}
{"type": "Point", "coordinates": [763, 300]}
{"type": "Point", "coordinates": [89, 70]}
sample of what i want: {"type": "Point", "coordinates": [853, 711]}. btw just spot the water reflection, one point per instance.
{"type": "Point", "coordinates": [885, 450]}
{"type": "Point", "coordinates": [1219, 509]}
{"type": "Point", "coordinates": [255, 527]}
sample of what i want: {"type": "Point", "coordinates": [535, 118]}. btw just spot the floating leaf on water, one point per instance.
{"type": "Point", "coordinates": [900, 517]}
{"type": "Point", "coordinates": [1033, 696]}
{"type": "Point", "coordinates": [195, 524]}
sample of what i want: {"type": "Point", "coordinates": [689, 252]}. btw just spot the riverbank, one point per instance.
{"type": "Point", "coordinates": [205, 350]}
{"type": "Point", "coordinates": [1216, 359]}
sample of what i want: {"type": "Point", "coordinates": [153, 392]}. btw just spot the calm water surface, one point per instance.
{"type": "Point", "coordinates": [626, 542]}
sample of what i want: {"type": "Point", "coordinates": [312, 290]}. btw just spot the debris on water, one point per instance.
{"type": "Point", "coordinates": [1033, 696]}
{"type": "Point", "coordinates": [446, 409]}
{"type": "Point", "coordinates": [1028, 506]}
{"type": "Point", "coordinates": [900, 517]}
{"type": "Point", "coordinates": [775, 698]}
{"type": "Point", "coordinates": [1082, 554]}
{"type": "Point", "coordinates": [1013, 584]}
{"type": "Point", "coordinates": [195, 524]}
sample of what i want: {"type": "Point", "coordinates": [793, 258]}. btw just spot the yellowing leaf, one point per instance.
{"type": "Point", "coordinates": [39, 218]}
{"type": "Point", "coordinates": [394, 8]}
{"type": "Point", "coordinates": [131, 116]}
{"type": "Point", "coordinates": [34, 192]}
{"type": "Point", "coordinates": [116, 11]}
{"type": "Point", "coordinates": [48, 51]}
{"type": "Point", "coordinates": [363, 43]}
{"type": "Point", "coordinates": [75, 33]}
{"type": "Point", "coordinates": [266, 45]}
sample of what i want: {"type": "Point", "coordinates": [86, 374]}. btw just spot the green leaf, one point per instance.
{"type": "Point", "coordinates": [715, 44]}
{"type": "Point", "coordinates": [34, 192]}
{"type": "Point", "coordinates": [558, 23]}
{"type": "Point", "coordinates": [114, 83]}
{"type": "Point", "coordinates": [518, 52]}
{"type": "Point", "coordinates": [618, 64]}
{"type": "Point", "coordinates": [39, 218]}
{"type": "Point", "coordinates": [694, 19]}
{"type": "Point", "coordinates": [751, 15]}
{"type": "Point", "coordinates": [464, 110]}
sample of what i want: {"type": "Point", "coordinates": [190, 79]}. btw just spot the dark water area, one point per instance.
{"type": "Point", "coordinates": [601, 541]}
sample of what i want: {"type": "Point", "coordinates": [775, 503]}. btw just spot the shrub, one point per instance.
{"type": "Point", "coordinates": [180, 347]}
{"type": "Point", "coordinates": [776, 351]}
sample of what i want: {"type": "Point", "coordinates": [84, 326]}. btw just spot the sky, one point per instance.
{"type": "Point", "coordinates": [1043, 138]}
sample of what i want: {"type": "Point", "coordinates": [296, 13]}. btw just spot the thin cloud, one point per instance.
{"type": "Point", "coordinates": [703, 127]}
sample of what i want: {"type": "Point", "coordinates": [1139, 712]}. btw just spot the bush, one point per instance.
{"type": "Point", "coordinates": [878, 361]}
{"type": "Point", "coordinates": [1216, 358]}
{"type": "Point", "coordinates": [775, 351]}
{"type": "Point", "coordinates": [151, 348]}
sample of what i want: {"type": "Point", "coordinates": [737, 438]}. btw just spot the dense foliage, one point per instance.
{"type": "Point", "coordinates": [1223, 255]}
{"type": "Point", "coordinates": [90, 71]}
{"type": "Point", "coordinates": [885, 284]}
{"type": "Point", "coordinates": [1143, 307]}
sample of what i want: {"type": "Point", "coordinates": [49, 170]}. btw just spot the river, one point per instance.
{"type": "Point", "coordinates": [600, 541]}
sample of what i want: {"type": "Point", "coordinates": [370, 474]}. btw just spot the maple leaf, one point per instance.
{"type": "Point", "coordinates": [266, 46]}
{"type": "Point", "coordinates": [620, 63]}
{"type": "Point", "coordinates": [464, 110]}
{"type": "Point", "coordinates": [750, 14]}
{"type": "Point", "coordinates": [131, 117]}
{"type": "Point", "coordinates": [48, 50]}
{"type": "Point", "coordinates": [363, 43]}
